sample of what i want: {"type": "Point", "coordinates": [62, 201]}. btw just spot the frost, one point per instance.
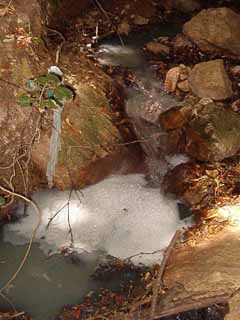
{"type": "Point", "coordinates": [119, 215]}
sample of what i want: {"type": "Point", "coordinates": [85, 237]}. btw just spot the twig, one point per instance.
{"type": "Point", "coordinates": [38, 211]}
{"type": "Point", "coordinates": [7, 7]}
{"type": "Point", "coordinates": [19, 314]}
{"type": "Point", "coordinates": [158, 282]}
{"type": "Point", "coordinates": [52, 218]}
{"type": "Point", "coordinates": [198, 304]}
{"type": "Point", "coordinates": [108, 18]}
{"type": "Point", "coordinates": [142, 253]}
{"type": "Point", "coordinates": [59, 48]}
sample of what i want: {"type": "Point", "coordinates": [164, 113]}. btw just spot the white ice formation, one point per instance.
{"type": "Point", "coordinates": [119, 215]}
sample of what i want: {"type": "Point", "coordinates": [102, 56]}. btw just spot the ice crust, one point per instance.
{"type": "Point", "coordinates": [119, 215]}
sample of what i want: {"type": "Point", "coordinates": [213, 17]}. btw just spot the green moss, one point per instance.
{"type": "Point", "coordinates": [89, 131]}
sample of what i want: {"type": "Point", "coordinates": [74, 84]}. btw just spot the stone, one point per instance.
{"type": "Point", "coordinates": [215, 30]}
{"type": "Point", "coordinates": [235, 70]}
{"type": "Point", "coordinates": [175, 75]}
{"type": "Point", "coordinates": [140, 20]}
{"type": "Point", "coordinates": [176, 117]}
{"type": "Point", "coordinates": [183, 86]}
{"type": "Point", "coordinates": [236, 105]}
{"type": "Point", "coordinates": [185, 6]}
{"type": "Point", "coordinates": [124, 28]}
{"type": "Point", "coordinates": [210, 80]}
{"type": "Point", "coordinates": [234, 311]}
{"type": "Point", "coordinates": [213, 134]}
{"type": "Point", "coordinates": [157, 48]}
{"type": "Point", "coordinates": [172, 78]}
{"type": "Point", "coordinates": [181, 41]}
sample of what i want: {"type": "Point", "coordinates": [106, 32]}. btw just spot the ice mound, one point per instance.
{"type": "Point", "coordinates": [119, 215]}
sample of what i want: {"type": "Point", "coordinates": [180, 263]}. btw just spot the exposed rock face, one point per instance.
{"type": "Point", "coordinates": [89, 141]}
{"type": "Point", "coordinates": [214, 134]}
{"type": "Point", "coordinates": [20, 59]}
{"type": "Point", "coordinates": [215, 30]}
{"type": "Point", "coordinates": [209, 79]}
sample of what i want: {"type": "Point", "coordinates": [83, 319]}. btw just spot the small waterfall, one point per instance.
{"type": "Point", "coordinates": [54, 146]}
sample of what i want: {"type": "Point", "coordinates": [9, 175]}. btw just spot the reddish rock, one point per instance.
{"type": "Point", "coordinates": [157, 48]}
{"type": "Point", "coordinates": [215, 30]}
{"type": "Point", "coordinates": [175, 118]}
{"type": "Point", "coordinates": [210, 80]}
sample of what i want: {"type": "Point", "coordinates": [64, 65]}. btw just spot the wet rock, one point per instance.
{"type": "Point", "coordinates": [215, 30]}
{"type": "Point", "coordinates": [209, 79]}
{"type": "Point", "coordinates": [213, 134]}
{"type": "Point", "coordinates": [179, 181]}
{"type": "Point", "coordinates": [157, 48]}
{"type": "Point", "coordinates": [176, 118]}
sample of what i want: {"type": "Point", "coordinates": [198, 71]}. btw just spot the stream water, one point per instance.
{"type": "Point", "coordinates": [121, 216]}
{"type": "Point", "coordinates": [45, 284]}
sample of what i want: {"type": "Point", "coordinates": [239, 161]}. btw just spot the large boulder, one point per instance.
{"type": "Point", "coordinates": [22, 55]}
{"type": "Point", "coordinates": [90, 141]}
{"type": "Point", "coordinates": [213, 134]}
{"type": "Point", "coordinates": [215, 30]}
{"type": "Point", "coordinates": [210, 80]}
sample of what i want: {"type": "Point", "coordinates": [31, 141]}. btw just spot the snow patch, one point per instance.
{"type": "Point", "coordinates": [119, 215]}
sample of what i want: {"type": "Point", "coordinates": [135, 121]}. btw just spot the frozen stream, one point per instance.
{"type": "Point", "coordinates": [120, 215]}
{"type": "Point", "coordinates": [44, 285]}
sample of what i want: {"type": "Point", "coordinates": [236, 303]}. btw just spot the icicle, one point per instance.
{"type": "Point", "coordinates": [54, 146]}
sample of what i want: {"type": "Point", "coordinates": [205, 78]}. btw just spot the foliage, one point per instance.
{"type": "Point", "coordinates": [45, 92]}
